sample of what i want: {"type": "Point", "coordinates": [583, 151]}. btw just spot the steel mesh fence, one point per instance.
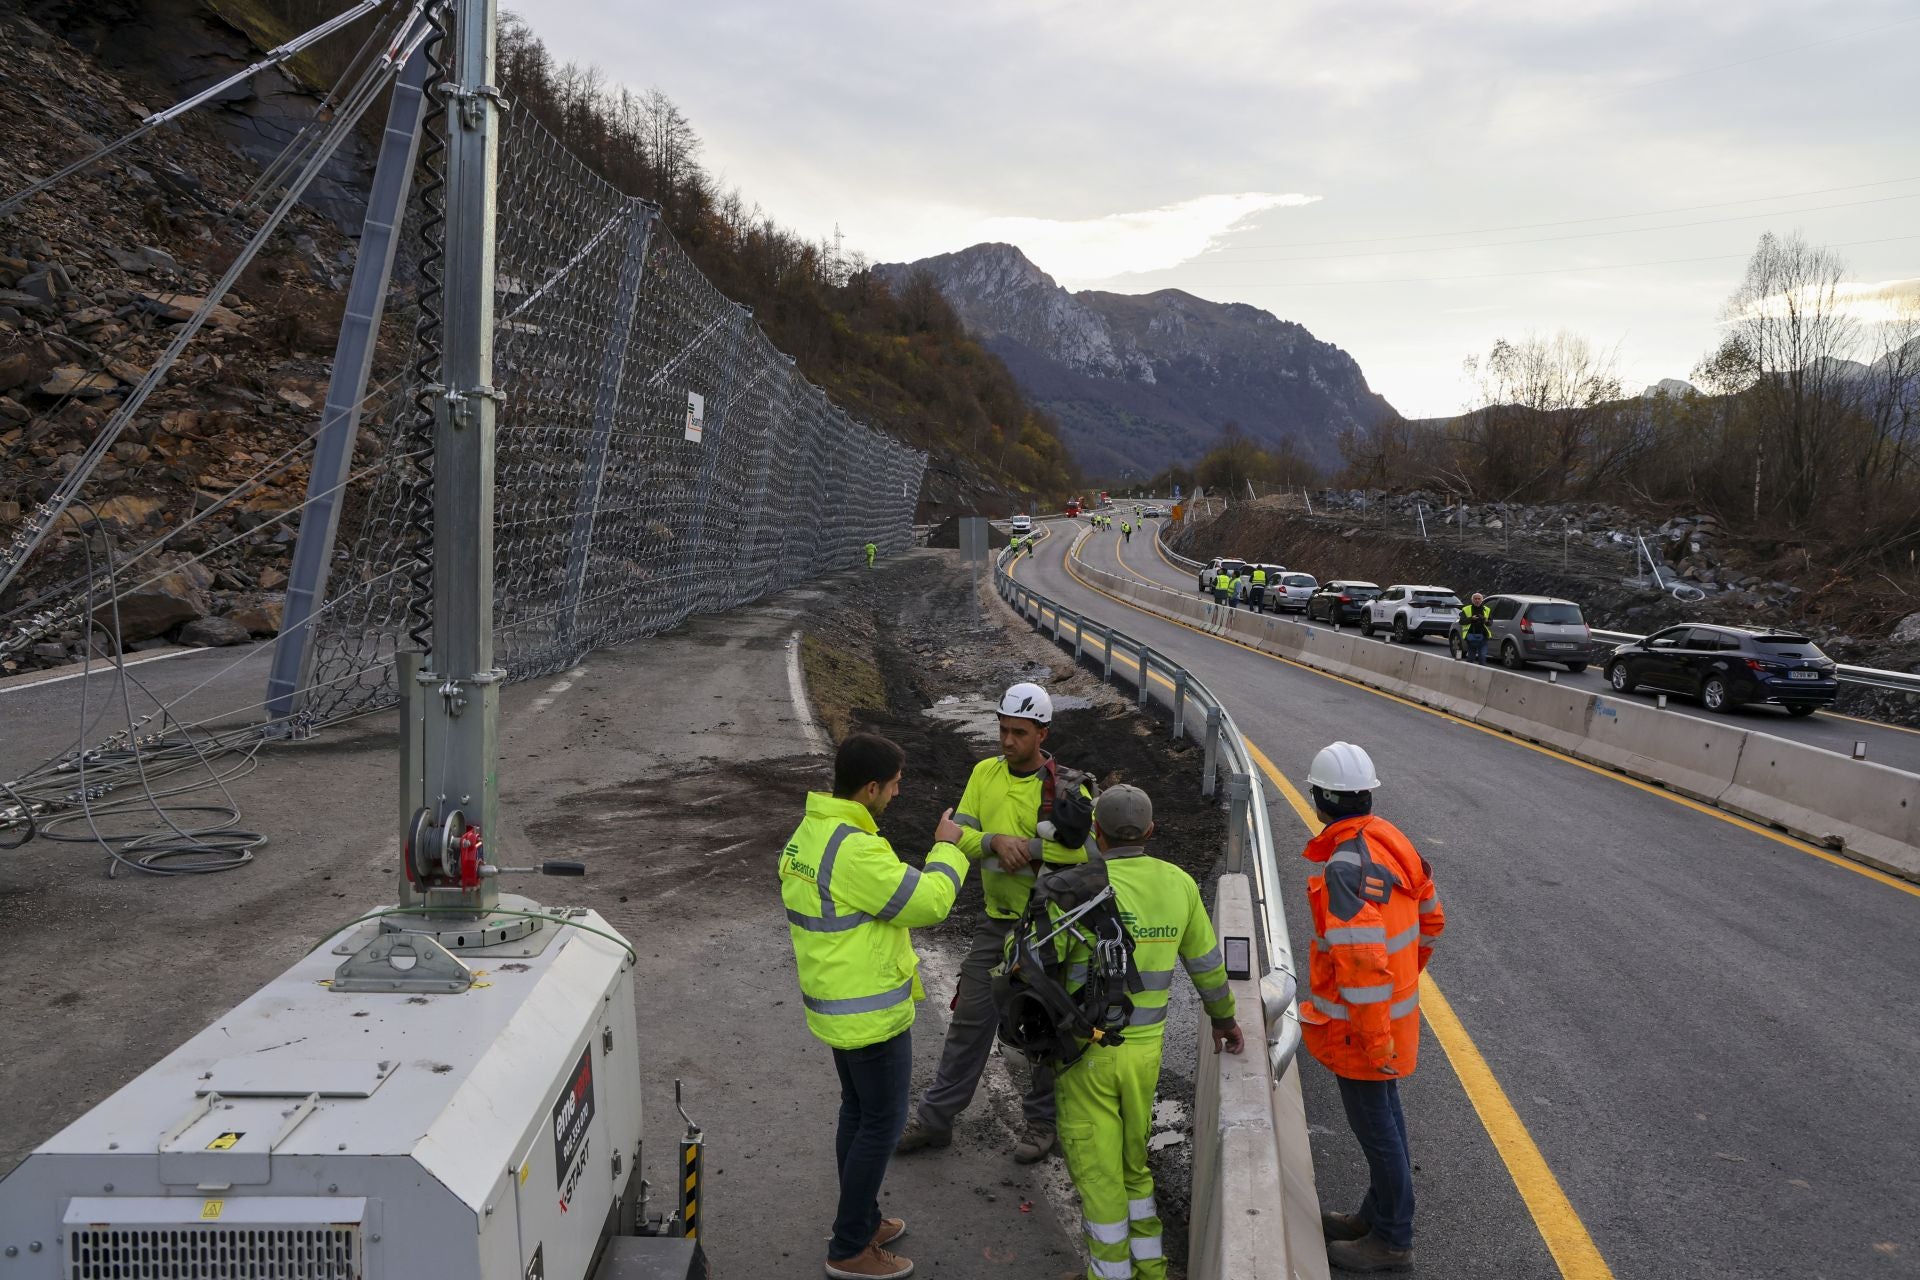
{"type": "Point", "coordinates": [656, 455]}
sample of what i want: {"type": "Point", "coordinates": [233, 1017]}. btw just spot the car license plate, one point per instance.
{"type": "Point", "coordinates": [1559, 644]}
{"type": "Point", "coordinates": [1804, 675]}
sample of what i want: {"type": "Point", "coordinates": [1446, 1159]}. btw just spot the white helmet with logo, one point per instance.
{"type": "Point", "coordinates": [1028, 702]}
{"type": "Point", "coordinates": [1344, 768]}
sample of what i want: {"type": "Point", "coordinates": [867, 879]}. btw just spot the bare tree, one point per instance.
{"type": "Point", "coordinates": [1542, 405]}
{"type": "Point", "coordinates": [1790, 338]}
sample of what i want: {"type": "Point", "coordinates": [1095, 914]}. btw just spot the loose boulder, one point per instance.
{"type": "Point", "coordinates": [211, 633]}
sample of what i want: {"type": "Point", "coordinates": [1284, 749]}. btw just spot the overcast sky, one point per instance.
{"type": "Point", "coordinates": [1410, 179]}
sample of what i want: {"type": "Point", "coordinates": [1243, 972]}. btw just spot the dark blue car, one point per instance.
{"type": "Point", "coordinates": [1725, 667]}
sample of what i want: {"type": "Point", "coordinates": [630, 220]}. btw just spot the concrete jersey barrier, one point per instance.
{"type": "Point", "coordinates": [1868, 811]}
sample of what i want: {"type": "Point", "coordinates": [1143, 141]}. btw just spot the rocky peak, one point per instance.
{"type": "Point", "coordinates": [1143, 380]}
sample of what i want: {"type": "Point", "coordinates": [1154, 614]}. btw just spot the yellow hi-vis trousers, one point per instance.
{"type": "Point", "coordinates": [1106, 1111]}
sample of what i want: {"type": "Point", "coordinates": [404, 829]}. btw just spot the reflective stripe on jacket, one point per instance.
{"type": "Point", "coordinates": [999, 802]}
{"type": "Point", "coordinates": [1376, 917]}
{"type": "Point", "coordinates": [1476, 620]}
{"type": "Point", "coordinates": [1161, 907]}
{"type": "Point", "coordinates": [850, 901]}
{"type": "Point", "coordinates": [1221, 582]}
{"type": "Point", "coordinates": [1259, 577]}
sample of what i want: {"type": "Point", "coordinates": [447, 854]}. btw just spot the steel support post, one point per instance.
{"type": "Point", "coordinates": [1180, 678]}
{"type": "Point", "coordinates": [1106, 652]}
{"type": "Point", "coordinates": [1239, 791]}
{"type": "Point", "coordinates": [606, 406]}
{"type": "Point", "coordinates": [1146, 675]}
{"type": "Point", "coordinates": [1211, 769]}
{"type": "Point", "coordinates": [1079, 637]}
{"type": "Point", "coordinates": [461, 700]}
{"type": "Point", "coordinates": [340, 419]}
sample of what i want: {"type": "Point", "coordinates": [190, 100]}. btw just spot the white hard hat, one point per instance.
{"type": "Point", "coordinates": [1343, 767]}
{"type": "Point", "coordinates": [1028, 702]}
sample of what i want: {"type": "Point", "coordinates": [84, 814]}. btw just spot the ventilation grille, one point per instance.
{"type": "Point", "coordinates": [215, 1253]}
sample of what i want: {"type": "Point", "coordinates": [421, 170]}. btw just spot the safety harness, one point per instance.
{"type": "Point", "coordinates": [1039, 1015]}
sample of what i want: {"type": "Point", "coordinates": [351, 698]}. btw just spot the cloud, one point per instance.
{"type": "Point", "coordinates": [1123, 243]}
{"type": "Point", "coordinates": [1879, 302]}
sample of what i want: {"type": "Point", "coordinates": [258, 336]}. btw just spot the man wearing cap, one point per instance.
{"type": "Point", "coordinates": [1000, 817]}
{"type": "Point", "coordinates": [1376, 918]}
{"type": "Point", "coordinates": [1106, 1094]}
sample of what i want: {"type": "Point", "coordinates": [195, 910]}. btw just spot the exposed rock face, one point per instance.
{"type": "Point", "coordinates": [211, 633]}
{"type": "Point", "coordinates": [1143, 381]}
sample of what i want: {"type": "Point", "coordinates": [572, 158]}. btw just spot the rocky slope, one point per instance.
{"type": "Point", "coordinates": [94, 279]}
{"type": "Point", "coordinates": [1144, 381]}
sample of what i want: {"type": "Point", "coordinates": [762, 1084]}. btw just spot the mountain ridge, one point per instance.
{"type": "Point", "coordinates": [1143, 381]}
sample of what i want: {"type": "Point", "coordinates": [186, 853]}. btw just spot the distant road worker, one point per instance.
{"type": "Point", "coordinates": [1376, 918]}
{"type": "Point", "coordinates": [1222, 586]}
{"type": "Point", "coordinates": [1126, 531]}
{"type": "Point", "coordinates": [1476, 628]}
{"type": "Point", "coordinates": [1257, 596]}
{"type": "Point", "coordinates": [1006, 799]}
{"type": "Point", "coordinates": [1106, 1095]}
{"type": "Point", "coordinates": [872, 551]}
{"type": "Point", "coordinates": [850, 901]}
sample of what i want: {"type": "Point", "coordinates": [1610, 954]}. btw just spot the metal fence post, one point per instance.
{"type": "Point", "coordinates": [1212, 767]}
{"type": "Point", "coordinates": [1146, 674]}
{"type": "Point", "coordinates": [1079, 637]}
{"type": "Point", "coordinates": [1106, 650]}
{"type": "Point", "coordinates": [1239, 792]}
{"type": "Point", "coordinates": [346, 391]}
{"type": "Point", "coordinates": [1179, 703]}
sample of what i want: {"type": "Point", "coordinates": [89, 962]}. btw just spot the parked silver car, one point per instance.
{"type": "Point", "coordinates": [1291, 592]}
{"type": "Point", "coordinates": [1536, 629]}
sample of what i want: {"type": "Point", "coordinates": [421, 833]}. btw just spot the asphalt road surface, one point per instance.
{"type": "Point", "coordinates": [1685, 1045]}
{"type": "Point", "coordinates": [1891, 745]}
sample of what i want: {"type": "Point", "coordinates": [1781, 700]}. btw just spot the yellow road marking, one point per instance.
{"type": "Point", "coordinates": [1720, 815]}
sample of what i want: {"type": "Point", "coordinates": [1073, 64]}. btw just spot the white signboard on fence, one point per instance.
{"type": "Point", "coordinates": [696, 416]}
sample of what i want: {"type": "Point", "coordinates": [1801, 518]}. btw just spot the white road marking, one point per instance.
{"type": "Point", "coordinates": [797, 691]}
{"type": "Point", "coordinates": [557, 688]}
{"type": "Point", "coordinates": [101, 667]}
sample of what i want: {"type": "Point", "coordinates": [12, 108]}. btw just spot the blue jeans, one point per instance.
{"type": "Point", "coordinates": [874, 1084]}
{"type": "Point", "coordinates": [1374, 1115]}
{"type": "Point", "coordinates": [1477, 649]}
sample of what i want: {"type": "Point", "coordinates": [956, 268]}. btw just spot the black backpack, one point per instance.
{"type": "Point", "coordinates": [1039, 1016]}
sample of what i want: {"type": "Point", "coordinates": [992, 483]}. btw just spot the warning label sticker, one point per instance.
{"type": "Point", "coordinates": [226, 1141]}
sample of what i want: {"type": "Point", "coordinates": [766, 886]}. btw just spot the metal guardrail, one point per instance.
{"type": "Point", "coordinates": [1872, 677]}
{"type": "Point", "coordinates": [1199, 715]}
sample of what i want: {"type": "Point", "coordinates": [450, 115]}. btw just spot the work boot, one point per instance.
{"type": "Point", "coordinates": [1035, 1145]}
{"type": "Point", "coordinates": [1368, 1255]}
{"type": "Point", "coordinates": [918, 1134]}
{"type": "Point", "coordinates": [873, 1263]}
{"type": "Point", "coordinates": [1343, 1226]}
{"type": "Point", "coordinates": [891, 1229]}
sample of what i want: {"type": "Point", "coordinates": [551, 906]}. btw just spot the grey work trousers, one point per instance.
{"type": "Point", "coordinates": [970, 1037]}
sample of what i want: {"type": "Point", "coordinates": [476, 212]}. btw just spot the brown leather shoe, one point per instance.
{"type": "Point", "coordinates": [1343, 1226]}
{"type": "Point", "coordinates": [1369, 1255]}
{"type": "Point", "coordinates": [874, 1263]}
{"type": "Point", "coordinates": [891, 1229]}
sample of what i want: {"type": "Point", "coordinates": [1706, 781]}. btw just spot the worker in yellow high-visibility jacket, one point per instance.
{"type": "Point", "coordinates": [850, 901]}
{"type": "Point", "coordinates": [1106, 1096]}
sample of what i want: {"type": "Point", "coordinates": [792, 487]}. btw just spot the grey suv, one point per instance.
{"type": "Point", "coordinates": [1535, 629]}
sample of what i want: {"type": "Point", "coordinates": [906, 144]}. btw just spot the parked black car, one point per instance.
{"type": "Point", "coordinates": [1340, 601]}
{"type": "Point", "coordinates": [1727, 666]}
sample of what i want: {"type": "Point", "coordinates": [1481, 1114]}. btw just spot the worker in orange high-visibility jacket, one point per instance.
{"type": "Point", "coordinates": [1376, 918]}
